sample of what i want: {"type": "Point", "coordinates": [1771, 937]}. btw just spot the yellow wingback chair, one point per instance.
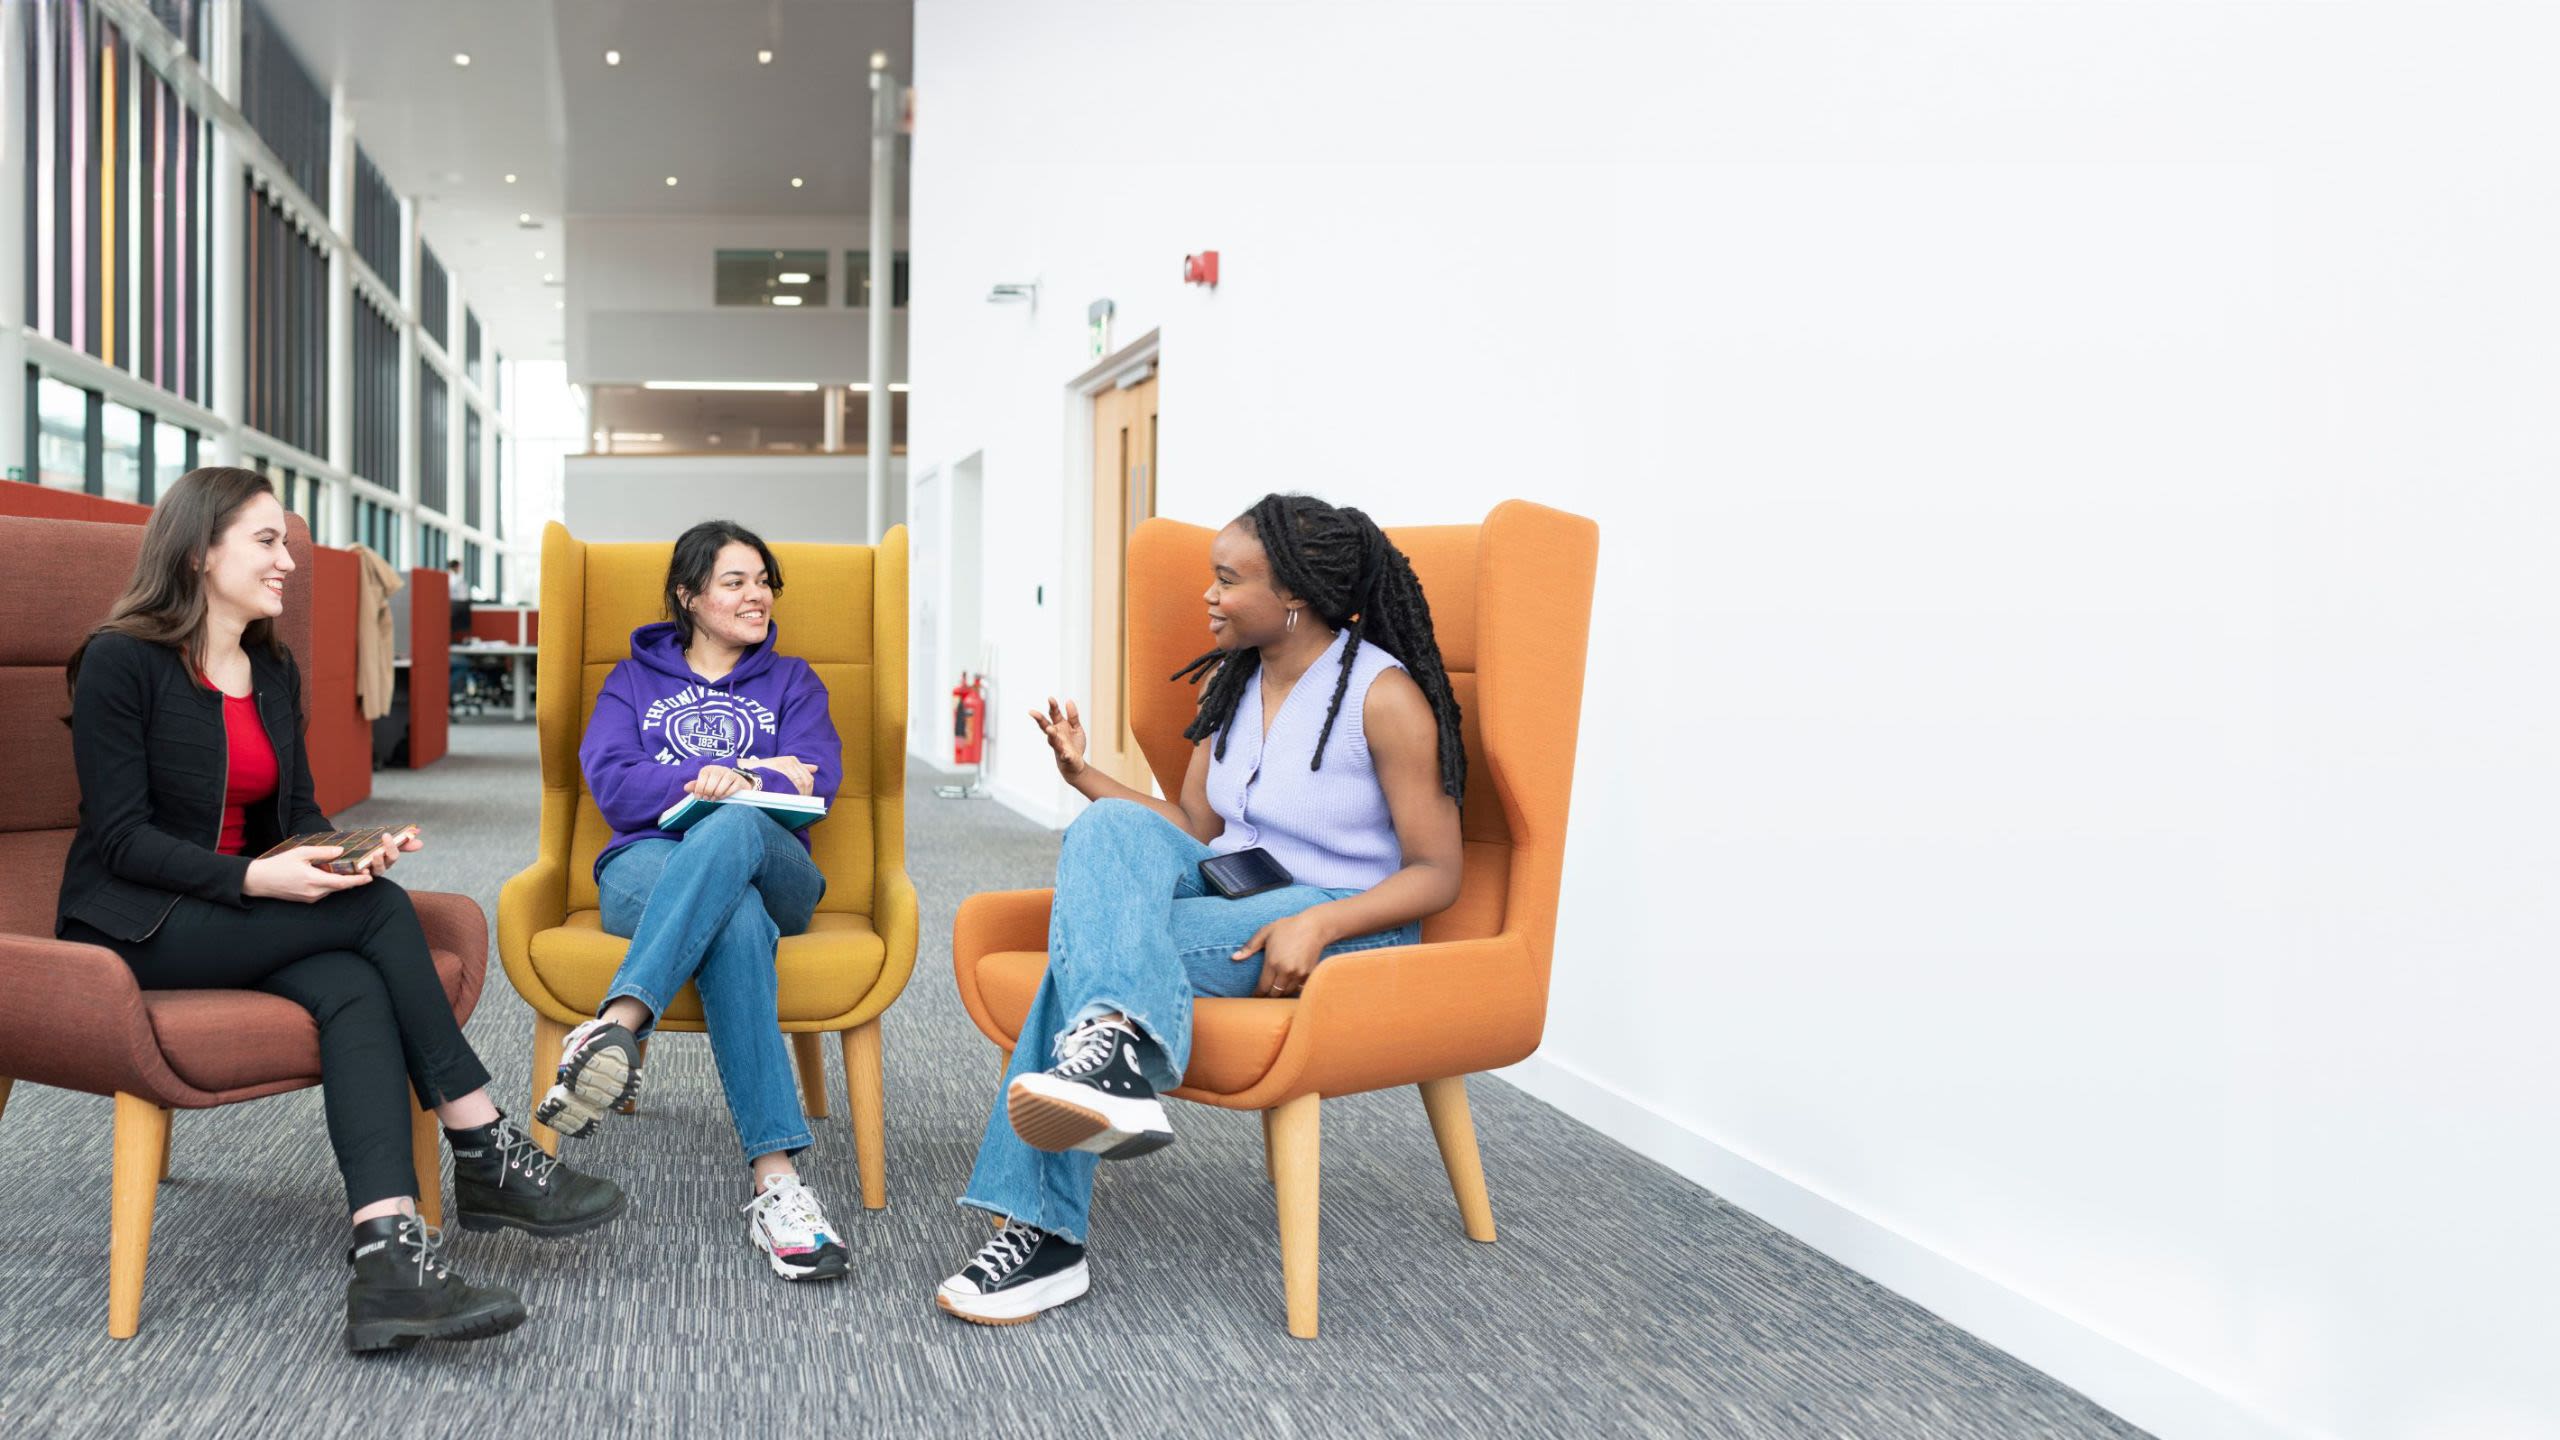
{"type": "Point", "coordinates": [845, 612]}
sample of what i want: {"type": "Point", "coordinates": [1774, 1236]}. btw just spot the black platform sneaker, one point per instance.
{"type": "Point", "coordinates": [502, 1179]}
{"type": "Point", "coordinates": [1095, 1099]}
{"type": "Point", "coordinates": [599, 1071]}
{"type": "Point", "coordinates": [401, 1293]}
{"type": "Point", "coordinates": [1015, 1276]}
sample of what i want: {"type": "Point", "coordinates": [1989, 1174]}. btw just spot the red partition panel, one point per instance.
{"type": "Point", "coordinates": [499, 625]}
{"type": "Point", "coordinates": [430, 677]}
{"type": "Point", "coordinates": [341, 742]}
{"type": "Point", "coordinates": [45, 502]}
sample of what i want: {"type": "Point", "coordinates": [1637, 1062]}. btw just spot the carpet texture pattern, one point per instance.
{"type": "Point", "coordinates": [1620, 1300]}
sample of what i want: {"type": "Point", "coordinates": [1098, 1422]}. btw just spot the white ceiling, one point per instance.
{"type": "Point", "coordinates": [538, 101]}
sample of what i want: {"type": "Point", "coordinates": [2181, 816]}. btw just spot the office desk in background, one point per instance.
{"type": "Point", "coordinates": [520, 670]}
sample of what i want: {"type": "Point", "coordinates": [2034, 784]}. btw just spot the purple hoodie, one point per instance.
{"type": "Point", "coordinates": [657, 724]}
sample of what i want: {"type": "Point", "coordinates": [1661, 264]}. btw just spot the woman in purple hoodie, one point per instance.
{"type": "Point", "coordinates": [707, 706]}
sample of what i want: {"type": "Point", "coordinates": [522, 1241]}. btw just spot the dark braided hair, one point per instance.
{"type": "Point", "coordinates": [1337, 560]}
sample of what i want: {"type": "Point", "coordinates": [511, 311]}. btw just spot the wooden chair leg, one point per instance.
{"type": "Point", "coordinates": [548, 1036]}
{"type": "Point", "coordinates": [426, 1154]}
{"type": "Point", "coordinates": [632, 1105]}
{"type": "Point", "coordinates": [1455, 1129]}
{"type": "Point", "coordinates": [142, 1136]}
{"type": "Point", "coordinates": [1296, 1155]}
{"type": "Point", "coordinates": [1270, 1172]}
{"type": "Point", "coordinates": [167, 1138]}
{"type": "Point", "coordinates": [813, 1074]}
{"type": "Point", "coordinates": [866, 1095]}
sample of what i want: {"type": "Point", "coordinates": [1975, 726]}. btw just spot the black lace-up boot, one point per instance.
{"type": "Point", "coordinates": [400, 1291]}
{"type": "Point", "coordinates": [502, 1179]}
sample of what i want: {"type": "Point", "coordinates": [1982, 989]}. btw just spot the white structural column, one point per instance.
{"type": "Point", "coordinates": [14, 258]}
{"type": "Point", "coordinates": [341, 452]}
{"type": "Point", "coordinates": [405, 476]}
{"type": "Point", "coordinates": [230, 340]}
{"type": "Point", "coordinates": [884, 190]}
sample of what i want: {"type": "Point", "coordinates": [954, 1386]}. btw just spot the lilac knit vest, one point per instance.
{"type": "Point", "coordinates": [1330, 826]}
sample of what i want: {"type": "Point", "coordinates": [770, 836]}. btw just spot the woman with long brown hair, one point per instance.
{"type": "Point", "coordinates": [187, 723]}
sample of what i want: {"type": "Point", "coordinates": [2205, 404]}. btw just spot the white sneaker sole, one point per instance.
{"type": "Point", "coordinates": [603, 1079]}
{"type": "Point", "coordinates": [1053, 1114]}
{"type": "Point", "coordinates": [822, 1267]}
{"type": "Point", "coordinates": [1021, 1303]}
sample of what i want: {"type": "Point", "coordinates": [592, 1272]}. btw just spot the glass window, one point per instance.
{"type": "Point", "coordinates": [857, 278]}
{"type": "Point", "coordinates": [120, 453]}
{"type": "Point", "coordinates": [173, 449]}
{"type": "Point", "coordinates": [62, 446]}
{"type": "Point", "coordinates": [786, 278]}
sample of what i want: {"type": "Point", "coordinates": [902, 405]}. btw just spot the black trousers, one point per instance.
{"type": "Point", "coordinates": [358, 961]}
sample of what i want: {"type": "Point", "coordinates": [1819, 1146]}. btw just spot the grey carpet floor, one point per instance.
{"type": "Point", "coordinates": [1620, 1300]}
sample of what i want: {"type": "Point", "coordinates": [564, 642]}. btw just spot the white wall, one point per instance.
{"type": "Point", "coordinates": [797, 498]}
{"type": "Point", "coordinates": [640, 294]}
{"type": "Point", "coordinates": [2064, 809]}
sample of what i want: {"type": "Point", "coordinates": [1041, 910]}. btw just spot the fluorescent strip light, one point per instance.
{"type": "Point", "coordinates": [637, 435]}
{"type": "Point", "coordinates": [796, 387]}
{"type": "Point", "coordinates": [793, 277]}
{"type": "Point", "coordinates": [896, 387]}
{"type": "Point", "coordinates": [786, 299]}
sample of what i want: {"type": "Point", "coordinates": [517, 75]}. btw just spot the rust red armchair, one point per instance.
{"type": "Point", "coordinates": [70, 1014]}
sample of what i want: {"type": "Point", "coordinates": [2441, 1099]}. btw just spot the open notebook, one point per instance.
{"type": "Point", "coordinates": [798, 812]}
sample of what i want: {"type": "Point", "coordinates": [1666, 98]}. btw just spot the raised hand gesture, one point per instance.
{"type": "Point", "coordinates": [1065, 729]}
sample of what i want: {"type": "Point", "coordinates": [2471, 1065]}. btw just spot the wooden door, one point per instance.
{"type": "Point", "coordinates": [1124, 493]}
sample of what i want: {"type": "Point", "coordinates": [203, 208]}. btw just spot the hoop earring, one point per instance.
{"type": "Point", "coordinates": [1291, 623]}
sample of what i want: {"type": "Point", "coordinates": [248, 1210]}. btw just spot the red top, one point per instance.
{"type": "Point", "coordinates": [252, 777]}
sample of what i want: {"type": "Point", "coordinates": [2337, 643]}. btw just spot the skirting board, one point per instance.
{"type": "Point", "coordinates": [1042, 809]}
{"type": "Point", "coordinates": [2135, 1386]}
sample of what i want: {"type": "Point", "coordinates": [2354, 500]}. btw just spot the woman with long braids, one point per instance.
{"type": "Point", "coordinates": [186, 733]}
{"type": "Point", "coordinates": [1327, 736]}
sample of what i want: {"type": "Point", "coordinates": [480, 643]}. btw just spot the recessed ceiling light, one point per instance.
{"type": "Point", "coordinates": [793, 277]}
{"type": "Point", "coordinates": [879, 59]}
{"type": "Point", "coordinates": [546, 277]}
{"type": "Point", "coordinates": [525, 218]}
{"type": "Point", "coordinates": [613, 57]}
{"type": "Point", "coordinates": [764, 57]}
{"type": "Point", "coordinates": [538, 255]}
{"type": "Point", "coordinates": [795, 182]}
{"type": "Point", "coordinates": [511, 179]}
{"type": "Point", "coordinates": [461, 59]}
{"type": "Point", "coordinates": [671, 179]}
{"type": "Point", "coordinates": [786, 299]}
{"type": "Point", "coordinates": [559, 304]}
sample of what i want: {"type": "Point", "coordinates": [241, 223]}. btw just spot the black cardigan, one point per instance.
{"type": "Point", "coordinates": [148, 742]}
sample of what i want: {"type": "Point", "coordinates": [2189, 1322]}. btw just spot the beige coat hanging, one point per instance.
{"type": "Point", "coordinates": [376, 646]}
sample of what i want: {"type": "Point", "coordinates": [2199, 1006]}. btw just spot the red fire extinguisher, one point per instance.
{"type": "Point", "coordinates": [969, 719]}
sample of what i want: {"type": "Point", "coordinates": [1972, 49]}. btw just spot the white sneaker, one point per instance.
{"type": "Point", "coordinates": [785, 1222]}
{"type": "Point", "coordinates": [599, 1071]}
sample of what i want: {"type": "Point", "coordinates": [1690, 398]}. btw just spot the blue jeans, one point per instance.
{"type": "Point", "coordinates": [710, 908]}
{"type": "Point", "coordinates": [1134, 930]}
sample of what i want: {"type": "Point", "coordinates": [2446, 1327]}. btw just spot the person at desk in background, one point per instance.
{"type": "Point", "coordinates": [458, 622]}
{"type": "Point", "coordinates": [186, 737]}
{"type": "Point", "coordinates": [708, 706]}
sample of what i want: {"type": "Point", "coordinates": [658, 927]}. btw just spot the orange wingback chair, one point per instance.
{"type": "Point", "coordinates": [1511, 603]}
{"type": "Point", "coordinates": [71, 1014]}
{"type": "Point", "coordinates": [846, 614]}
